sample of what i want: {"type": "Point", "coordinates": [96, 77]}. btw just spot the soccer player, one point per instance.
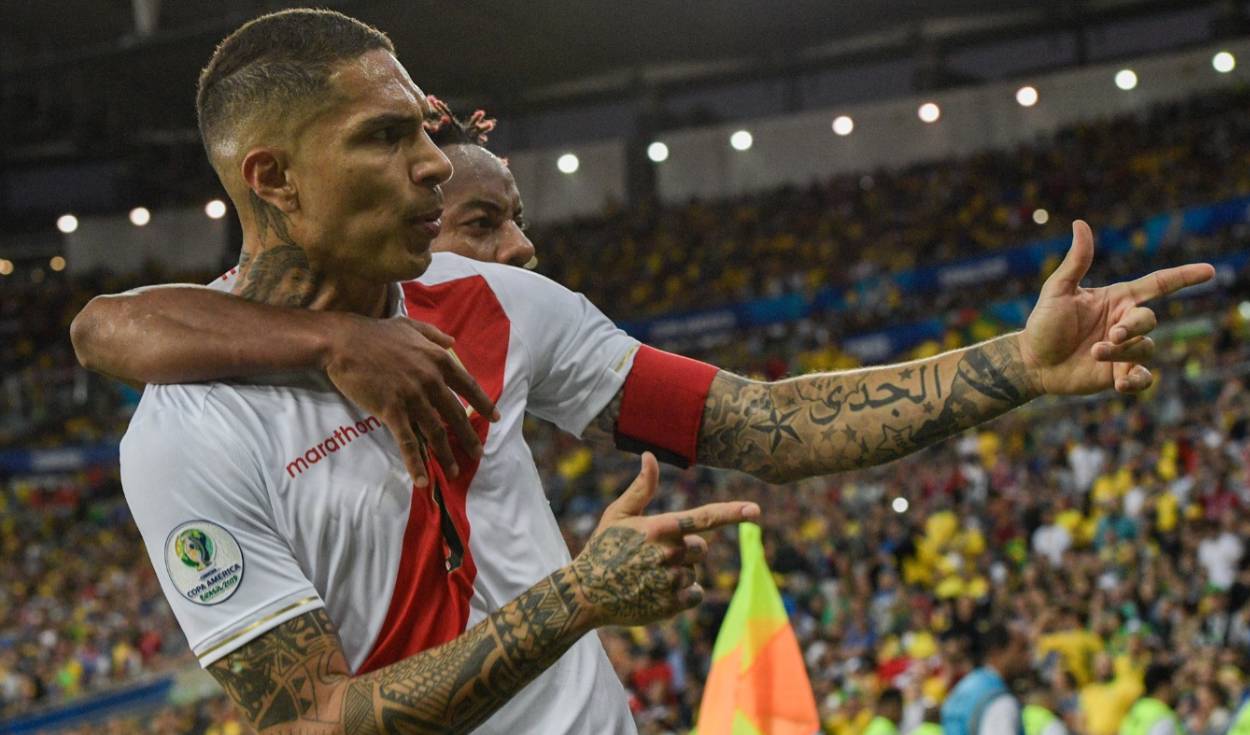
{"type": "Point", "coordinates": [312, 578]}
{"type": "Point", "coordinates": [606, 387]}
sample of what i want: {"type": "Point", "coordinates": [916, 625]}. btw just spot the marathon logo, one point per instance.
{"type": "Point", "coordinates": [341, 437]}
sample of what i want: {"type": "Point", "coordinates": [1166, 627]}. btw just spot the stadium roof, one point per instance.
{"type": "Point", "coordinates": [520, 53]}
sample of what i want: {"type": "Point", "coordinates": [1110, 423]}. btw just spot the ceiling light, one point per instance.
{"type": "Point", "coordinates": [567, 163]}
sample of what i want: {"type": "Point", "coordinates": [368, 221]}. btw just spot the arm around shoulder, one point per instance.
{"type": "Point", "coordinates": [186, 333]}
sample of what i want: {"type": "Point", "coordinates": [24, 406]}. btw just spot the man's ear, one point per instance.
{"type": "Point", "coordinates": [265, 173]}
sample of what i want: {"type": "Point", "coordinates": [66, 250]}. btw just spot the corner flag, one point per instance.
{"type": "Point", "coordinates": [758, 683]}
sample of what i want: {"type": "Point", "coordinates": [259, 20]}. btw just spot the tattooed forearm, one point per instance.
{"type": "Point", "coordinates": [455, 687]}
{"type": "Point", "coordinates": [274, 679]}
{"type": "Point", "coordinates": [295, 677]}
{"type": "Point", "coordinates": [825, 423]}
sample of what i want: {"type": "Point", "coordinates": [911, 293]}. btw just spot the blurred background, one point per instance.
{"type": "Point", "coordinates": [775, 187]}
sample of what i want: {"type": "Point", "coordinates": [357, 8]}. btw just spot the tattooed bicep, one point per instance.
{"type": "Point", "coordinates": [283, 676]}
{"type": "Point", "coordinates": [736, 426]}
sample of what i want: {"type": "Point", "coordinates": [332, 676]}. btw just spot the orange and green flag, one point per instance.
{"type": "Point", "coordinates": [758, 684]}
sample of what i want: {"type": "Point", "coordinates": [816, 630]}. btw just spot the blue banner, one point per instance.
{"type": "Point", "coordinates": [1025, 260]}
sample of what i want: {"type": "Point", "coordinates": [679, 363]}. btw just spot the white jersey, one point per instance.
{"type": "Point", "coordinates": [262, 500]}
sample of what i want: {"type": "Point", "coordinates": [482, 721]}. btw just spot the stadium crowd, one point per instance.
{"type": "Point", "coordinates": [1108, 530]}
{"type": "Point", "coordinates": [647, 260]}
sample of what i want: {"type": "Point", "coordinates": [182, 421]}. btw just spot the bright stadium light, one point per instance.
{"type": "Point", "coordinates": [1126, 79]}
{"type": "Point", "coordinates": [741, 140]}
{"type": "Point", "coordinates": [900, 505]}
{"type": "Point", "coordinates": [568, 163]}
{"type": "Point", "coordinates": [843, 125]}
{"type": "Point", "coordinates": [140, 216]}
{"type": "Point", "coordinates": [1026, 96]}
{"type": "Point", "coordinates": [1041, 216]}
{"type": "Point", "coordinates": [57, 263]}
{"type": "Point", "coordinates": [1243, 309]}
{"type": "Point", "coordinates": [657, 152]}
{"type": "Point", "coordinates": [1224, 62]}
{"type": "Point", "coordinates": [67, 223]}
{"type": "Point", "coordinates": [6, 267]}
{"type": "Point", "coordinates": [929, 112]}
{"type": "Point", "coordinates": [216, 209]}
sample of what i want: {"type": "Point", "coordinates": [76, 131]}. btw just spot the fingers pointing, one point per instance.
{"type": "Point", "coordinates": [706, 518]}
{"type": "Point", "coordinates": [1169, 280]}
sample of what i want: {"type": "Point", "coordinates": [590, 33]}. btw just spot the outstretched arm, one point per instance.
{"type": "Point", "coordinates": [1077, 341]}
{"type": "Point", "coordinates": [397, 369]}
{"type": "Point", "coordinates": [824, 423]}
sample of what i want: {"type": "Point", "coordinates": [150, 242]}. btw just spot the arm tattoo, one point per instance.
{"type": "Point", "coordinates": [275, 678]}
{"type": "Point", "coordinates": [829, 422]}
{"type": "Point", "coordinates": [295, 677]}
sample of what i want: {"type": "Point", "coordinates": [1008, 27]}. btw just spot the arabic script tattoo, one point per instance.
{"type": "Point", "coordinates": [823, 423]}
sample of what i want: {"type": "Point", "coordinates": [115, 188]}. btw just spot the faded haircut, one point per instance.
{"type": "Point", "coordinates": [276, 62]}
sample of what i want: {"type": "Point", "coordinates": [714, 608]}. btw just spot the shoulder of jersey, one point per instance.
{"type": "Point", "coordinates": [185, 397]}
{"type": "Point", "coordinates": [450, 266]}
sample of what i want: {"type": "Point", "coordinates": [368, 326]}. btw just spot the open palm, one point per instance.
{"type": "Point", "coordinates": [1084, 340]}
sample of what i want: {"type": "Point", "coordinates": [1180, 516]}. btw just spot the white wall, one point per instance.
{"type": "Point", "coordinates": [551, 196]}
{"type": "Point", "coordinates": [180, 239]}
{"type": "Point", "coordinates": [801, 148]}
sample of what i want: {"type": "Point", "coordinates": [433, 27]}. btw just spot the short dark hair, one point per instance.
{"type": "Point", "coordinates": [890, 696]}
{"type": "Point", "coordinates": [995, 636]}
{"type": "Point", "coordinates": [281, 58]}
{"type": "Point", "coordinates": [1157, 674]}
{"type": "Point", "coordinates": [447, 129]}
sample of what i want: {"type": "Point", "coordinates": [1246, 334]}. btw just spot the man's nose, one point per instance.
{"type": "Point", "coordinates": [515, 248]}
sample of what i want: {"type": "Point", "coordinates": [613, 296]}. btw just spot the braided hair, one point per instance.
{"type": "Point", "coordinates": [446, 129]}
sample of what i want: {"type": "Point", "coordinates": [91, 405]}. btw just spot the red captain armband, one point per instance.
{"type": "Point", "coordinates": [662, 405]}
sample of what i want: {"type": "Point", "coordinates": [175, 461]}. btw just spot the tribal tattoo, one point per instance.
{"type": "Point", "coordinates": [295, 677]}
{"type": "Point", "coordinates": [829, 422]}
{"type": "Point", "coordinates": [278, 678]}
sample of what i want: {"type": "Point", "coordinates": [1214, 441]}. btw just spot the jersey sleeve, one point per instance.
{"type": "Point", "coordinates": [578, 359]}
{"type": "Point", "coordinates": [1001, 716]}
{"type": "Point", "coordinates": [199, 500]}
